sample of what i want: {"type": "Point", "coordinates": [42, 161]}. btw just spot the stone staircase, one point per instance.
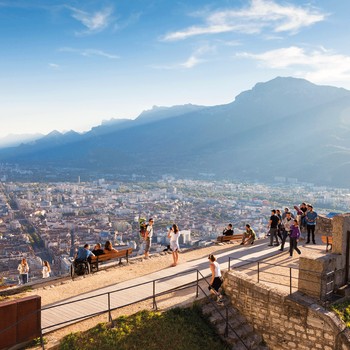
{"type": "Point", "coordinates": [251, 339]}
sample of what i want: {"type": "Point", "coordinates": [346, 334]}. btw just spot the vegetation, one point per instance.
{"type": "Point", "coordinates": [343, 311]}
{"type": "Point", "coordinates": [176, 329]}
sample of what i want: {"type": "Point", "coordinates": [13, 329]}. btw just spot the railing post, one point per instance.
{"type": "Point", "coordinates": [290, 281]}
{"type": "Point", "coordinates": [109, 307]}
{"type": "Point", "coordinates": [258, 271]}
{"type": "Point", "coordinates": [229, 263]}
{"type": "Point", "coordinates": [154, 295]}
{"type": "Point", "coordinates": [197, 291]}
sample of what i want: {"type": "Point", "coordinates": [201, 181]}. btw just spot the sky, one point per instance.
{"type": "Point", "coordinates": [69, 65]}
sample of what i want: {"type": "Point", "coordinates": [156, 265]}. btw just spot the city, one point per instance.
{"type": "Point", "coordinates": [49, 221]}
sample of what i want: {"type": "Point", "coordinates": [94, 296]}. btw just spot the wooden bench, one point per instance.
{"type": "Point", "coordinates": [115, 254]}
{"type": "Point", "coordinates": [234, 237]}
{"type": "Point", "coordinates": [328, 240]}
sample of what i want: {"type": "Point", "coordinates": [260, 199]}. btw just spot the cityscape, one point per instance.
{"type": "Point", "coordinates": [50, 221]}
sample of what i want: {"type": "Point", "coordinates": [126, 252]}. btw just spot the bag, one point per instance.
{"type": "Point", "coordinates": [143, 227]}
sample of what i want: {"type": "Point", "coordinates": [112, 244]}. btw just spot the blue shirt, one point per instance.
{"type": "Point", "coordinates": [311, 218]}
{"type": "Point", "coordinates": [83, 254]}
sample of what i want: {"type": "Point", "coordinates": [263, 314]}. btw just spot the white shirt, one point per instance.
{"type": "Point", "coordinates": [46, 272]}
{"type": "Point", "coordinates": [150, 231]}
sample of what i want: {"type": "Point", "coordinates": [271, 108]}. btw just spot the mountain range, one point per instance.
{"type": "Point", "coordinates": [285, 127]}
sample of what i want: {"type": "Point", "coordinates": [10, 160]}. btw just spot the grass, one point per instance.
{"type": "Point", "coordinates": [176, 329]}
{"type": "Point", "coordinates": [343, 311]}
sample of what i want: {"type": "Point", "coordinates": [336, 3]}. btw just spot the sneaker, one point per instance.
{"type": "Point", "coordinates": [281, 249]}
{"type": "Point", "coordinates": [242, 243]}
{"type": "Point", "coordinates": [270, 245]}
{"type": "Point", "coordinates": [290, 257]}
{"type": "Point", "coordinates": [307, 242]}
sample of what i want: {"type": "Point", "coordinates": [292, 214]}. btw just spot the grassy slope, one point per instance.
{"type": "Point", "coordinates": [176, 329]}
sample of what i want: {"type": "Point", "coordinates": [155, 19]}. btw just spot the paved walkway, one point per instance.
{"type": "Point", "coordinates": [86, 305]}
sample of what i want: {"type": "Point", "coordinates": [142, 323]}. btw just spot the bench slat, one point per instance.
{"type": "Point", "coordinates": [123, 253]}
{"type": "Point", "coordinates": [234, 237]}
{"type": "Point", "coordinates": [328, 240]}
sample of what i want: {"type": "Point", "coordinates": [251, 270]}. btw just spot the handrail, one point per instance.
{"type": "Point", "coordinates": [290, 275]}
{"type": "Point", "coordinates": [199, 277]}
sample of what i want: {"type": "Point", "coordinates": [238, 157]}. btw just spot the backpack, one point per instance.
{"type": "Point", "coordinates": [143, 227]}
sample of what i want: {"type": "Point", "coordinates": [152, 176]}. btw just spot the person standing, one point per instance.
{"type": "Point", "coordinates": [228, 231]}
{"type": "Point", "coordinates": [216, 278]}
{"type": "Point", "coordinates": [294, 238]}
{"type": "Point", "coordinates": [310, 217]}
{"type": "Point", "coordinates": [273, 227]}
{"type": "Point", "coordinates": [279, 226]}
{"type": "Point", "coordinates": [148, 237]}
{"type": "Point", "coordinates": [46, 269]}
{"type": "Point", "coordinates": [23, 269]}
{"type": "Point", "coordinates": [287, 223]}
{"type": "Point", "coordinates": [174, 234]}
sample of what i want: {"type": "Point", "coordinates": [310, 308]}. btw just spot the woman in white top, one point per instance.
{"type": "Point", "coordinates": [174, 234]}
{"type": "Point", "coordinates": [46, 269]}
{"type": "Point", "coordinates": [23, 269]}
{"type": "Point", "coordinates": [216, 278]}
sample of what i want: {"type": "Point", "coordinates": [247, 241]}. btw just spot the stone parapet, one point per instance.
{"type": "Point", "coordinates": [285, 321]}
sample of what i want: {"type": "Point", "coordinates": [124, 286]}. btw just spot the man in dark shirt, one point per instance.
{"type": "Point", "coordinates": [228, 231]}
{"type": "Point", "coordinates": [98, 249]}
{"type": "Point", "coordinates": [273, 227]}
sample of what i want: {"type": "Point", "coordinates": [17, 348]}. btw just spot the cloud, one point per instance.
{"type": "Point", "coordinates": [195, 59]}
{"type": "Point", "coordinates": [54, 66]}
{"type": "Point", "coordinates": [93, 22]}
{"type": "Point", "coordinates": [89, 52]}
{"type": "Point", "coordinates": [320, 65]}
{"type": "Point", "coordinates": [258, 16]}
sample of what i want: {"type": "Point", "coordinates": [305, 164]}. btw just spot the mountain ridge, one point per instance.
{"type": "Point", "coordinates": [285, 127]}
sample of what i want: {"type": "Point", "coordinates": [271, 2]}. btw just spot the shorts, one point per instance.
{"type": "Point", "coordinates": [217, 283]}
{"type": "Point", "coordinates": [147, 244]}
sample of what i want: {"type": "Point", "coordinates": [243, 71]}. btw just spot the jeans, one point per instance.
{"type": "Point", "coordinates": [273, 234]}
{"type": "Point", "coordinates": [310, 229]}
{"type": "Point", "coordinates": [293, 245]}
{"type": "Point", "coordinates": [23, 278]}
{"type": "Point", "coordinates": [285, 234]}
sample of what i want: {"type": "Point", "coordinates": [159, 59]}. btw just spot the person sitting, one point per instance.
{"type": "Point", "coordinates": [228, 231]}
{"type": "Point", "coordinates": [249, 235]}
{"type": "Point", "coordinates": [84, 254]}
{"type": "Point", "coordinates": [98, 249]}
{"type": "Point", "coordinates": [108, 247]}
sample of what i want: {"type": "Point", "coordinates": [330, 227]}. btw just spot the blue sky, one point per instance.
{"type": "Point", "coordinates": [70, 65]}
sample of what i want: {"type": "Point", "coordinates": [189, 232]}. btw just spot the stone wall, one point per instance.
{"type": "Point", "coordinates": [286, 322]}
{"type": "Point", "coordinates": [320, 274]}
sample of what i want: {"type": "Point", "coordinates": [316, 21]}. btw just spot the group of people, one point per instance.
{"type": "Point", "coordinates": [287, 225]}
{"type": "Point", "coordinates": [249, 235]}
{"type": "Point", "coordinates": [23, 269]}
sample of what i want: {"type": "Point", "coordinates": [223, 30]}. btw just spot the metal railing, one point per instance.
{"type": "Point", "coordinates": [195, 283]}
{"type": "Point", "coordinates": [291, 275]}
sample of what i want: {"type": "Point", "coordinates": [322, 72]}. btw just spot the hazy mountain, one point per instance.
{"type": "Point", "coordinates": [13, 140]}
{"type": "Point", "coordinates": [285, 127]}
